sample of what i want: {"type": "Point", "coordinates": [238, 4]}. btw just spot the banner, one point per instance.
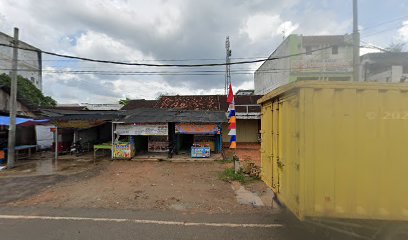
{"type": "Point", "coordinates": [142, 129]}
{"type": "Point", "coordinates": [232, 119]}
{"type": "Point", "coordinates": [190, 128]}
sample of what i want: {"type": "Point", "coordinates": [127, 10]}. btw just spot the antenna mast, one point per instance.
{"type": "Point", "coordinates": [227, 66]}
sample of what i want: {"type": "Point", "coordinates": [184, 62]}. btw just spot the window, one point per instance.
{"type": "Point", "coordinates": [32, 79]}
{"type": "Point", "coordinates": [308, 50]}
{"type": "Point", "coordinates": [335, 50]}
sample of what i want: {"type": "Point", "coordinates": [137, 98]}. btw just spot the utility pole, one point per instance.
{"type": "Point", "coordinates": [227, 66]}
{"type": "Point", "coordinates": [11, 155]}
{"type": "Point", "coordinates": [356, 44]}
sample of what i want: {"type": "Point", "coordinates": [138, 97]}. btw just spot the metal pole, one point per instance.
{"type": "Point", "coordinates": [113, 140]}
{"type": "Point", "coordinates": [11, 155]}
{"type": "Point", "coordinates": [356, 44]}
{"type": "Point", "coordinates": [56, 144]}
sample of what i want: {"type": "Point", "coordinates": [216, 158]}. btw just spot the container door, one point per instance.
{"type": "Point", "coordinates": [266, 144]}
{"type": "Point", "coordinates": [288, 167]}
{"type": "Point", "coordinates": [275, 147]}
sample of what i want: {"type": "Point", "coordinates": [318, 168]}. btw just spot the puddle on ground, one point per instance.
{"type": "Point", "coordinates": [246, 197]}
{"type": "Point", "coordinates": [45, 167]}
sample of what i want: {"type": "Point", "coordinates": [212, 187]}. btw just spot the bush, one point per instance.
{"type": "Point", "coordinates": [28, 91]}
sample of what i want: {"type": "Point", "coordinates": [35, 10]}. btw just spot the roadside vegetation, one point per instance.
{"type": "Point", "coordinates": [28, 92]}
{"type": "Point", "coordinates": [229, 175]}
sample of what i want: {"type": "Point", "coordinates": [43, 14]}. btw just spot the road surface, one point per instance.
{"type": "Point", "coordinates": [43, 224]}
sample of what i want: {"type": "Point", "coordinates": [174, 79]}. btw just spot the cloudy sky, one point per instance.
{"type": "Point", "coordinates": [178, 31]}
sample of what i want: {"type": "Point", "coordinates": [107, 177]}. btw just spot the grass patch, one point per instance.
{"type": "Point", "coordinates": [229, 175]}
{"type": "Point", "coordinates": [225, 161]}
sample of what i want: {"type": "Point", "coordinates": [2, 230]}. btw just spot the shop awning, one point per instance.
{"type": "Point", "coordinates": [190, 128]}
{"type": "Point", "coordinates": [5, 121]}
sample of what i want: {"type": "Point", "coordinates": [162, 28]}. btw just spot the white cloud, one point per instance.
{"type": "Point", "coordinates": [99, 45]}
{"type": "Point", "coordinates": [403, 31]}
{"type": "Point", "coordinates": [245, 85]}
{"type": "Point", "coordinates": [286, 28]}
{"type": "Point", "coordinates": [368, 50]}
{"type": "Point", "coordinates": [261, 26]}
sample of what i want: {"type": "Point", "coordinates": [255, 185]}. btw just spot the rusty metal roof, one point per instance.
{"type": "Point", "coordinates": [139, 103]}
{"type": "Point", "coordinates": [207, 102]}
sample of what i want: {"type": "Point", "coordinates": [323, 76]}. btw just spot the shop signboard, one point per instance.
{"type": "Point", "coordinates": [142, 129]}
{"type": "Point", "coordinates": [190, 128]}
{"type": "Point", "coordinates": [123, 151]}
{"type": "Point", "coordinates": [200, 152]}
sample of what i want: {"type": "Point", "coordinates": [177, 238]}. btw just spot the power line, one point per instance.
{"type": "Point", "coordinates": [167, 65]}
{"type": "Point", "coordinates": [370, 45]}
{"type": "Point", "coordinates": [381, 31]}
{"type": "Point", "coordinates": [142, 60]}
{"type": "Point", "coordinates": [384, 23]}
{"type": "Point", "coordinates": [192, 72]}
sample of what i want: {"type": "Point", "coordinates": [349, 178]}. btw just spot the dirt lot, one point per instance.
{"type": "Point", "coordinates": [193, 187]}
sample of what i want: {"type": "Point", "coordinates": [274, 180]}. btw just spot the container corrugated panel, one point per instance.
{"type": "Point", "coordinates": [337, 149]}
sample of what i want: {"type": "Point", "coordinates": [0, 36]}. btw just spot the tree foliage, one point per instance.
{"type": "Point", "coordinates": [124, 102]}
{"type": "Point", "coordinates": [26, 90]}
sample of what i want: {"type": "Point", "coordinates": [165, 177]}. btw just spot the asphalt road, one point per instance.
{"type": "Point", "coordinates": [43, 224]}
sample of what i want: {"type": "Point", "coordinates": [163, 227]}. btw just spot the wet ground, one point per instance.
{"type": "Point", "coordinates": [43, 163]}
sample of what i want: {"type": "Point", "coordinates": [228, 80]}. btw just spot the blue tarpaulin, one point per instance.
{"type": "Point", "coordinates": [5, 121]}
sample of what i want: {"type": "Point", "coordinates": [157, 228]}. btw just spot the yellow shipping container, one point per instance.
{"type": "Point", "coordinates": [337, 149]}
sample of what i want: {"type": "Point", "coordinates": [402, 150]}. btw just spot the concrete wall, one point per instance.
{"type": "Point", "coordinates": [25, 136]}
{"type": "Point", "coordinates": [393, 74]}
{"type": "Point", "coordinates": [29, 61]}
{"type": "Point", "coordinates": [102, 133]}
{"type": "Point", "coordinates": [88, 135]}
{"type": "Point", "coordinates": [319, 65]}
{"type": "Point", "coordinates": [266, 79]}
{"type": "Point", "coordinates": [247, 131]}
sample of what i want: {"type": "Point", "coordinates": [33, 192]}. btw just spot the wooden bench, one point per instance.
{"type": "Point", "coordinates": [22, 148]}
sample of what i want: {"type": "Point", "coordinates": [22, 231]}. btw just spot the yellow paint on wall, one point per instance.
{"type": "Point", "coordinates": [337, 149]}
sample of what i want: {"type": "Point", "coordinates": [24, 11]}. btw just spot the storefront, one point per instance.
{"type": "Point", "coordinates": [198, 137]}
{"type": "Point", "coordinates": [143, 137]}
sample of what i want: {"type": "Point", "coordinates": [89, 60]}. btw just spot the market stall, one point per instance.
{"type": "Point", "coordinates": [147, 137]}
{"type": "Point", "coordinates": [124, 148]}
{"type": "Point", "coordinates": [199, 138]}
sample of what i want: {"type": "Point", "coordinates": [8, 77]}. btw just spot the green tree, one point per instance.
{"type": "Point", "coordinates": [124, 102]}
{"type": "Point", "coordinates": [26, 90]}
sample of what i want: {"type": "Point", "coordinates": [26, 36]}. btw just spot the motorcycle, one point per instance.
{"type": "Point", "coordinates": [76, 148]}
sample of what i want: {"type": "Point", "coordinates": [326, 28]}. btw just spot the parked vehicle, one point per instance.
{"type": "Point", "coordinates": [76, 148]}
{"type": "Point", "coordinates": [335, 155]}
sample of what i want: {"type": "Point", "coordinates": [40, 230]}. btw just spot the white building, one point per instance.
{"type": "Point", "coordinates": [29, 62]}
{"type": "Point", "coordinates": [384, 67]}
{"type": "Point", "coordinates": [306, 61]}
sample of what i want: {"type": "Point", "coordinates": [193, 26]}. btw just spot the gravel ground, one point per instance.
{"type": "Point", "coordinates": [192, 187]}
